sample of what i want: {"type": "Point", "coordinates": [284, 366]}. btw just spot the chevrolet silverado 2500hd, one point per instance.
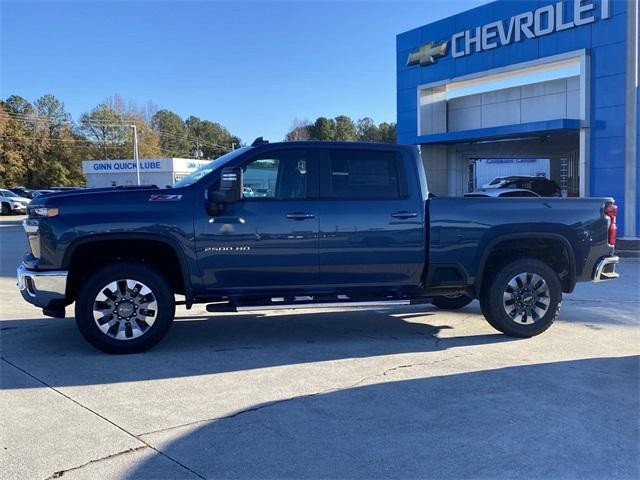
{"type": "Point", "coordinates": [325, 224]}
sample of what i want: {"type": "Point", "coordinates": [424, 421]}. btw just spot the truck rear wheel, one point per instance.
{"type": "Point", "coordinates": [125, 308]}
{"type": "Point", "coordinates": [522, 299]}
{"type": "Point", "coordinates": [452, 302]}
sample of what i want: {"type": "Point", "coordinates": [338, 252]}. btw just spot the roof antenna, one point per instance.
{"type": "Point", "coordinates": [259, 141]}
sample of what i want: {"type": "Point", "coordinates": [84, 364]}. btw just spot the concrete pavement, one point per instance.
{"type": "Point", "coordinates": [404, 393]}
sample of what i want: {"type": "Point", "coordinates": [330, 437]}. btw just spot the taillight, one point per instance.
{"type": "Point", "coordinates": [611, 210]}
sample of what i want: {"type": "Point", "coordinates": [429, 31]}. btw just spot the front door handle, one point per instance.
{"type": "Point", "coordinates": [404, 215]}
{"type": "Point", "coordinates": [300, 215]}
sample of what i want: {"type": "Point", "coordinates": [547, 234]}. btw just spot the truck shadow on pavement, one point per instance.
{"type": "Point", "coordinates": [53, 351]}
{"type": "Point", "coordinates": [570, 419]}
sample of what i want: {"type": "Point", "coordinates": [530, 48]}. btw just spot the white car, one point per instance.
{"type": "Point", "coordinates": [12, 203]}
{"type": "Point", "coordinates": [502, 192]}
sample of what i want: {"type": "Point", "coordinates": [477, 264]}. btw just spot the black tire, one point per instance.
{"type": "Point", "coordinates": [533, 310]}
{"type": "Point", "coordinates": [96, 286]}
{"type": "Point", "coordinates": [6, 209]}
{"type": "Point", "coordinates": [452, 303]}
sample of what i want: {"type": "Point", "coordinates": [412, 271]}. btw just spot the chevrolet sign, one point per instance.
{"type": "Point", "coordinates": [537, 23]}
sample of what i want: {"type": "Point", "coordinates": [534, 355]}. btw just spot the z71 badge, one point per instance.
{"type": "Point", "coordinates": [165, 198]}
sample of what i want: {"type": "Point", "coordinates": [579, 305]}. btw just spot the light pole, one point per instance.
{"type": "Point", "coordinates": [135, 152]}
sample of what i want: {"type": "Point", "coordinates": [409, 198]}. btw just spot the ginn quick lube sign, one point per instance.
{"type": "Point", "coordinates": [543, 21]}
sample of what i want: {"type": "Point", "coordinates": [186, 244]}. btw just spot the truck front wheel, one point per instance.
{"type": "Point", "coordinates": [125, 308]}
{"type": "Point", "coordinates": [522, 299]}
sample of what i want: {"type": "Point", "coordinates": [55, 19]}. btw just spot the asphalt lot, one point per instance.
{"type": "Point", "coordinates": [402, 393]}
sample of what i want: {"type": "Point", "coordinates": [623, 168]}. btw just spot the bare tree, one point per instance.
{"type": "Point", "coordinates": [299, 130]}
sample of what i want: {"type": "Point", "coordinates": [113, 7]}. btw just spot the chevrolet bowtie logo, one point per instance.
{"type": "Point", "coordinates": [427, 54]}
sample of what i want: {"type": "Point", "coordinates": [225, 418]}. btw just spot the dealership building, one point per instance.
{"type": "Point", "coordinates": [527, 88]}
{"type": "Point", "coordinates": [153, 171]}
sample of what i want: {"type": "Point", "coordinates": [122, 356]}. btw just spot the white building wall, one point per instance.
{"type": "Point", "coordinates": [535, 102]}
{"type": "Point", "coordinates": [96, 180]}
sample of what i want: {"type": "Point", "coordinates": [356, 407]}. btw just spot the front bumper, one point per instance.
{"type": "Point", "coordinates": [605, 269]}
{"type": "Point", "coordinates": [44, 289]}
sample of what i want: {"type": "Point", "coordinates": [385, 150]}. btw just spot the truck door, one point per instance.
{"type": "Point", "coordinates": [269, 239]}
{"type": "Point", "coordinates": [371, 219]}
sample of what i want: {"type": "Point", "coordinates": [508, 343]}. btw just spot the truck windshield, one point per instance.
{"type": "Point", "coordinates": [209, 167]}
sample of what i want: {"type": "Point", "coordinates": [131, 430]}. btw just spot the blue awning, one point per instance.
{"type": "Point", "coordinates": [503, 131]}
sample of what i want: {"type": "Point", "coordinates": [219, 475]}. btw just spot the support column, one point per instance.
{"type": "Point", "coordinates": [454, 173]}
{"type": "Point", "coordinates": [584, 154]}
{"type": "Point", "coordinates": [631, 132]}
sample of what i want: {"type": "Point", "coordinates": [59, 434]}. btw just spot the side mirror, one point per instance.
{"type": "Point", "coordinates": [230, 189]}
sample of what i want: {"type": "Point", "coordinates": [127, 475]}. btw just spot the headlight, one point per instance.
{"type": "Point", "coordinates": [44, 212]}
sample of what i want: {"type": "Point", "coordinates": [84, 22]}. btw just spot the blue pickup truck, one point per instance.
{"type": "Point", "coordinates": [306, 225]}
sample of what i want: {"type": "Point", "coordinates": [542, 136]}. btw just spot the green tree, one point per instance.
{"type": "Point", "coordinates": [17, 105]}
{"type": "Point", "coordinates": [61, 163]}
{"type": "Point", "coordinates": [387, 132]}
{"type": "Point", "coordinates": [367, 130]}
{"type": "Point", "coordinates": [173, 133]}
{"type": "Point", "coordinates": [52, 110]}
{"type": "Point", "coordinates": [104, 127]}
{"type": "Point", "coordinates": [13, 149]}
{"type": "Point", "coordinates": [342, 128]}
{"type": "Point", "coordinates": [30, 137]}
{"type": "Point", "coordinates": [210, 138]}
{"type": "Point", "coordinates": [345, 129]}
{"type": "Point", "coordinates": [323, 129]}
{"type": "Point", "coordinates": [38, 145]}
{"type": "Point", "coordinates": [148, 138]}
{"type": "Point", "coordinates": [111, 134]}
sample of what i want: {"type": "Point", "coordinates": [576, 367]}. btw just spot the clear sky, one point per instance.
{"type": "Point", "coordinates": [252, 66]}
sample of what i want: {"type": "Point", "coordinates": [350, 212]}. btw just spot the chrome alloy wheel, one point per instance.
{"type": "Point", "coordinates": [125, 309]}
{"type": "Point", "coordinates": [526, 298]}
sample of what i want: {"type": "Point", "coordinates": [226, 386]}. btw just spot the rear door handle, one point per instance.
{"type": "Point", "coordinates": [404, 215]}
{"type": "Point", "coordinates": [300, 215]}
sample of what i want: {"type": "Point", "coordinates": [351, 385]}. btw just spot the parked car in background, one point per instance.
{"type": "Point", "coordinates": [541, 185]}
{"type": "Point", "coordinates": [500, 192]}
{"type": "Point", "coordinates": [22, 192]}
{"type": "Point", "coordinates": [12, 202]}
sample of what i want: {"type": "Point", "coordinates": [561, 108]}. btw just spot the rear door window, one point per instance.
{"type": "Point", "coordinates": [363, 174]}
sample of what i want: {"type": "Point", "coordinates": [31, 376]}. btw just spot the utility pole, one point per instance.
{"type": "Point", "coordinates": [135, 152]}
